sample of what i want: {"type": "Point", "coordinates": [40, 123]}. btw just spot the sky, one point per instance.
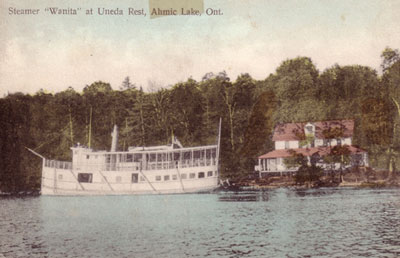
{"type": "Point", "coordinates": [53, 52]}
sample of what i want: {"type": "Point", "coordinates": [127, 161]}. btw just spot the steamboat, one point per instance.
{"type": "Point", "coordinates": [166, 169]}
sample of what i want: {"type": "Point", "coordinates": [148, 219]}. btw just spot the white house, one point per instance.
{"type": "Point", "coordinates": [311, 139]}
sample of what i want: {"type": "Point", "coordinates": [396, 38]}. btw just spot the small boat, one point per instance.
{"type": "Point", "coordinates": [166, 169]}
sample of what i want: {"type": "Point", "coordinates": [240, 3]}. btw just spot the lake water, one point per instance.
{"type": "Point", "coordinates": [273, 223]}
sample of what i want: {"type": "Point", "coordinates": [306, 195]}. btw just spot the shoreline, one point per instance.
{"type": "Point", "coordinates": [272, 183]}
{"type": "Point", "coordinates": [237, 188]}
{"type": "Point", "coordinates": [292, 185]}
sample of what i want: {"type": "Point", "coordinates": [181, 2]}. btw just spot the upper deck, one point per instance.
{"type": "Point", "coordinates": [144, 158]}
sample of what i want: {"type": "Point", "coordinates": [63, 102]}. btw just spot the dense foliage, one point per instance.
{"type": "Point", "coordinates": [51, 123]}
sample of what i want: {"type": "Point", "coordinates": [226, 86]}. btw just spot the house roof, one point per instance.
{"type": "Point", "coordinates": [295, 131]}
{"type": "Point", "coordinates": [322, 151]}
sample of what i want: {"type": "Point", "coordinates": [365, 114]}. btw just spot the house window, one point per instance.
{"type": "Point", "coordinates": [118, 179]}
{"type": "Point", "coordinates": [339, 141]}
{"type": "Point", "coordinates": [209, 173]}
{"type": "Point", "coordinates": [158, 178]}
{"type": "Point", "coordinates": [192, 175]}
{"type": "Point", "coordinates": [201, 175]}
{"type": "Point", "coordinates": [85, 177]}
{"type": "Point", "coordinates": [135, 177]}
{"type": "Point", "coordinates": [183, 176]}
{"type": "Point", "coordinates": [166, 178]}
{"type": "Point", "coordinates": [286, 144]}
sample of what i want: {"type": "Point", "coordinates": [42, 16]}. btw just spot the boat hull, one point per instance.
{"type": "Point", "coordinates": [60, 181]}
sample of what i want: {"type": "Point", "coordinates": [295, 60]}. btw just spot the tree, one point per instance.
{"type": "Point", "coordinates": [389, 57]}
{"type": "Point", "coordinates": [295, 84]}
{"type": "Point", "coordinates": [212, 103]}
{"type": "Point", "coordinates": [127, 85]}
{"type": "Point", "coordinates": [162, 115]}
{"type": "Point", "coordinates": [391, 96]}
{"type": "Point", "coordinates": [339, 154]}
{"type": "Point", "coordinates": [100, 113]}
{"type": "Point", "coordinates": [257, 137]}
{"type": "Point", "coordinates": [307, 170]}
{"type": "Point", "coordinates": [187, 109]}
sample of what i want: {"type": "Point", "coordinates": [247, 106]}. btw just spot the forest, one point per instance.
{"type": "Point", "coordinates": [50, 123]}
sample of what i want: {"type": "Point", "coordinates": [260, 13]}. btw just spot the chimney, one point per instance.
{"type": "Point", "coordinates": [114, 138]}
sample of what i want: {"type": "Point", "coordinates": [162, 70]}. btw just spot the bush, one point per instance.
{"type": "Point", "coordinates": [308, 173]}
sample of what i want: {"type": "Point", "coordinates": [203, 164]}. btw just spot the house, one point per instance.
{"type": "Point", "coordinates": [313, 140]}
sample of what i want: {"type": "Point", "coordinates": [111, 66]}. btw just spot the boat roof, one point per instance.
{"type": "Point", "coordinates": [151, 149]}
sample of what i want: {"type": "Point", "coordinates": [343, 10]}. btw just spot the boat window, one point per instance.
{"type": "Point", "coordinates": [214, 153]}
{"type": "Point", "coordinates": [192, 175]}
{"type": "Point", "coordinates": [208, 153]}
{"type": "Point", "coordinates": [183, 176]}
{"type": "Point", "coordinates": [176, 155]}
{"type": "Point", "coordinates": [161, 157]}
{"type": "Point", "coordinates": [152, 157]}
{"type": "Point", "coordinates": [196, 154]}
{"type": "Point", "coordinates": [201, 174]}
{"type": "Point", "coordinates": [128, 157]}
{"type": "Point", "coordinates": [118, 179]}
{"type": "Point", "coordinates": [60, 177]}
{"type": "Point", "coordinates": [209, 173]}
{"type": "Point", "coordinates": [142, 178]}
{"type": "Point", "coordinates": [158, 178]}
{"type": "Point", "coordinates": [166, 178]}
{"type": "Point", "coordinates": [187, 155]}
{"type": "Point", "coordinates": [174, 177]}
{"type": "Point", "coordinates": [137, 157]}
{"type": "Point", "coordinates": [87, 156]}
{"type": "Point", "coordinates": [135, 177]}
{"type": "Point", "coordinates": [85, 177]}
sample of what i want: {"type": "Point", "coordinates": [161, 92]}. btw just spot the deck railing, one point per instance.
{"type": "Point", "coordinates": [135, 166]}
{"type": "Point", "coordinates": [57, 164]}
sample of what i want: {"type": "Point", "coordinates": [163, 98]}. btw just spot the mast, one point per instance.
{"type": "Point", "coordinates": [114, 138]}
{"type": "Point", "coordinates": [218, 144]}
{"type": "Point", "coordinates": [90, 127]}
{"type": "Point", "coordinates": [70, 127]}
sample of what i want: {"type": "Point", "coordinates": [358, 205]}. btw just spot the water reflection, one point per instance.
{"type": "Point", "coordinates": [243, 196]}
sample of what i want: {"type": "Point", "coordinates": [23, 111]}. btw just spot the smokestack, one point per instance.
{"type": "Point", "coordinates": [114, 138]}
